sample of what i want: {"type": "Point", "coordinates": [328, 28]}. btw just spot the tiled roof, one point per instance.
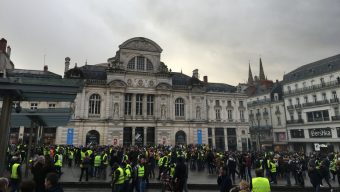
{"type": "Point", "coordinates": [317, 68]}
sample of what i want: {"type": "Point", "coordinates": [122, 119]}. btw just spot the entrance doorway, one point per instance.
{"type": "Point", "coordinates": [181, 138]}
{"type": "Point", "coordinates": [92, 138]}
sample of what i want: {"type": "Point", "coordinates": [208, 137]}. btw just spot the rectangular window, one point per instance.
{"type": "Point", "coordinates": [150, 136]}
{"type": "Point", "coordinates": [34, 106]}
{"type": "Point", "coordinates": [139, 136]}
{"type": "Point", "coordinates": [139, 104]}
{"type": "Point", "coordinates": [128, 104]}
{"type": "Point", "coordinates": [306, 99]}
{"type": "Point", "coordinates": [278, 120]}
{"type": "Point", "coordinates": [290, 102]}
{"type": "Point", "coordinates": [241, 103]}
{"type": "Point", "coordinates": [298, 101]}
{"type": "Point", "coordinates": [127, 136]}
{"type": "Point", "coordinates": [316, 116]}
{"type": "Point", "coordinates": [334, 95]}
{"type": "Point", "coordinates": [314, 98]}
{"type": "Point", "coordinates": [150, 104]}
{"type": "Point", "coordinates": [230, 114]}
{"type": "Point", "coordinates": [299, 115]}
{"type": "Point", "coordinates": [229, 103]}
{"type": "Point", "coordinates": [297, 133]}
{"type": "Point", "coordinates": [324, 96]}
{"type": "Point", "coordinates": [219, 139]}
{"type": "Point", "coordinates": [338, 131]}
{"type": "Point", "coordinates": [242, 115]}
{"type": "Point", "coordinates": [218, 114]}
{"type": "Point", "coordinates": [217, 102]}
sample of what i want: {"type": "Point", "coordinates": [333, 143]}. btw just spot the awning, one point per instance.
{"type": "Point", "coordinates": [43, 117]}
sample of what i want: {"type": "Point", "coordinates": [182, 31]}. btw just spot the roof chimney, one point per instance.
{"type": "Point", "coordinates": [9, 51]}
{"type": "Point", "coordinates": [45, 68]}
{"type": "Point", "coordinates": [3, 44]}
{"type": "Point", "coordinates": [195, 73]}
{"type": "Point", "coordinates": [205, 79]}
{"type": "Point", "coordinates": [67, 64]}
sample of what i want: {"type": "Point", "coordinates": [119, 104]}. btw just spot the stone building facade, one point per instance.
{"type": "Point", "coordinates": [312, 106]}
{"type": "Point", "coordinates": [134, 98]}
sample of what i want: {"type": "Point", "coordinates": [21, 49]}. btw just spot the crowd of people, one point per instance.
{"type": "Point", "coordinates": [131, 168]}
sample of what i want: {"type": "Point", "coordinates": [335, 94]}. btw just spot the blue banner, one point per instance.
{"type": "Point", "coordinates": [70, 136]}
{"type": "Point", "coordinates": [199, 136]}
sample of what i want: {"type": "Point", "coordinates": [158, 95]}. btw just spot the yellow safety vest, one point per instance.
{"type": "Point", "coordinates": [172, 171]}
{"type": "Point", "coordinates": [97, 161]}
{"type": "Point", "coordinates": [58, 163]}
{"type": "Point", "coordinates": [82, 155]}
{"type": "Point", "coordinates": [273, 170]}
{"type": "Point", "coordinates": [260, 184]}
{"type": "Point", "coordinates": [160, 161]}
{"type": "Point", "coordinates": [121, 176]}
{"type": "Point", "coordinates": [128, 173]}
{"type": "Point", "coordinates": [140, 171]}
{"type": "Point", "coordinates": [70, 156]}
{"type": "Point", "coordinates": [106, 162]}
{"type": "Point", "coordinates": [14, 173]}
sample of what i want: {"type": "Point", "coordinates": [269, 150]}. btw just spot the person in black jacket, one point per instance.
{"type": "Point", "coordinates": [180, 173]}
{"type": "Point", "coordinates": [315, 178]}
{"type": "Point", "coordinates": [224, 181]}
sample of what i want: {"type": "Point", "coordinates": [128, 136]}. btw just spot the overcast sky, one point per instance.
{"type": "Point", "coordinates": [219, 37]}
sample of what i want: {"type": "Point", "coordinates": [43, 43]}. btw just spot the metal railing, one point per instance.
{"type": "Point", "coordinates": [313, 88]}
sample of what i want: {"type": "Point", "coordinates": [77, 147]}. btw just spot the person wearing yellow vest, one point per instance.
{"type": "Point", "coordinates": [273, 171]}
{"type": "Point", "coordinates": [70, 157]}
{"type": "Point", "coordinates": [260, 183]}
{"type": "Point", "coordinates": [15, 177]}
{"type": "Point", "coordinates": [141, 175]}
{"type": "Point", "coordinates": [58, 163]}
{"type": "Point", "coordinates": [105, 163]}
{"type": "Point", "coordinates": [127, 170]}
{"type": "Point", "coordinates": [96, 164]}
{"type": "Point", "coordinates": [118, 178]}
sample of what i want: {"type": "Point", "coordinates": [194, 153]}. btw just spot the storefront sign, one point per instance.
{"type": "Point", "coordinates": [70, 132]}
{"type": "Point", "coordinates": [317, 133]}
{"type": "Point", "coordinates": [199, 136]}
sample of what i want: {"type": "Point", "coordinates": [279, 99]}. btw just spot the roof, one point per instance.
{"type": "Point", "coordinates": [88, 72]}
{"type": "Point", "coordinates": [220, 87]}
{"type": "Point", "coordinates": [314, 69]}
{"type": "Point", "coordinates": [180, 79]}
{"type": "Point", "coordinates": [31, 73]}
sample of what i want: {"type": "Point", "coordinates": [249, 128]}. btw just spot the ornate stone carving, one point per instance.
{"type": "Point", "coordinates": [129, 82]}
{"type": "Point", "coordinates": [140, 83]}
{"type": "Point", "coordinates": [141, 45]}
{"type": "Point", "coordinates": [151, 84]}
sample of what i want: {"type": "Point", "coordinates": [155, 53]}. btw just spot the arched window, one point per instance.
{"type": "Point", "coordinates": [131, 64]}
{"type": "Point", "coordinates": [179, 107]}
{"type": "Point", "coordinates": [140, 63]}
{"type": "Point", "coordinates": [149, 66]}
{"type": "Point", "coordinates": [94, 104]}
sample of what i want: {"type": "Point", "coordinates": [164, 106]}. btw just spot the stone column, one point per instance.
{"type": "Point", "coordinates": [133, 106]}
{"type": "Point", "coordinates": [226, 138]}
{"type": "Point", "coordinates": [213, 137]}
{"type": "Point", "coordinates": [144, 135]}
{"type": "Point", "coordinates": [133, 135]}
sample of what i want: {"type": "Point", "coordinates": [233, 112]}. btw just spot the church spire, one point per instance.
{"type": "Point", "coordinates": [262, 77]}
{"type": "Point", "coordinates": [250, 76]}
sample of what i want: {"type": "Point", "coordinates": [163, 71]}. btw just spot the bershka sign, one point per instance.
{"type": "Point", "coordinates": [321, 132]}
